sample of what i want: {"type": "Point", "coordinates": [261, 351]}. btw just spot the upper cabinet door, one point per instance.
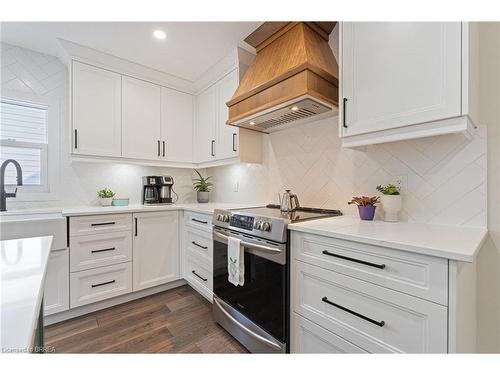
{"type": "Point", "coordinates": [141, 106]}
{"type": "Point", "coordinates": [227, 146]}
{"type": "Point", "coordinates": [206, 125]}
{"type": "Point", "coordinates": [398, 74]}
{"type": "Point", "coordinates": [176, 125]}
{"type": "Point", "coordinates": [96, 104]}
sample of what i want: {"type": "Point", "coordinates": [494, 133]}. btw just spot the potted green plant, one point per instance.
{"type": "Point", "coordinates": [391, 201]}
{"type": "Point", "coordinates": [366, 206]}
{"type": "Point", "coordinates": [105, 196]}
{"type": "Point", "coordinates": [202, 187]}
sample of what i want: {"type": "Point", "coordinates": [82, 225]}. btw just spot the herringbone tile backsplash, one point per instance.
{"type": "Point", "coordinates": [444, 177]}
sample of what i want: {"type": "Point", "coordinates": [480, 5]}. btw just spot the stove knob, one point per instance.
{"type": "Point", "coordinates": [225, 218]}
{"type": "Point", "coordinates": [258, 225]}
{"type": "Point", "coordinates": [266, 226]}
{"type": "Point", "coordinates": [219, 217]}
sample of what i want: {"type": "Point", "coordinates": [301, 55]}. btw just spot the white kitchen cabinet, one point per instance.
{"type": "Point", "coordinates": [56, 292]}
{"type": "Point", "coordinates": [96, 111]}
{"type": "Point", "coordinates": [397, 77]}
{"type": "Point", "coordinates": [155, 249]}
{"type": "Point", "coordinates": [177, 110]}
{"type": "Point", "coordinates": [227, 136]}
{"type": "Point", "coordinates": [141, 125]}
{"type": "Point", "coordinates": [206, 117]}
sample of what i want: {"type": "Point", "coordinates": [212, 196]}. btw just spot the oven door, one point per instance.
{"type": "Point", "coordinates": [254, 313]}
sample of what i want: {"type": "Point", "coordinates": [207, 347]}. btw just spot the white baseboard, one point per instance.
{"type": "Point", "coordinates": [82, 310]}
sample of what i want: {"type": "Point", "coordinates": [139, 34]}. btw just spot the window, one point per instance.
{"type": "Point", "coordinates": [24, 137]}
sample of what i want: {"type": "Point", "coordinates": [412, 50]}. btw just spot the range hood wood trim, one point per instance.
{"type": "Point", "coordinates": [303, 83]}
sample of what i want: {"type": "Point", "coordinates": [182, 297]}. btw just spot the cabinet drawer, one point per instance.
{"type": "Point", "coordinates": [98, 250]}
{"type": "Point", "coordinates": [307, 337]}
{"type": "Point", "coordinates": [197, 220]}
{"type": "Point", "coordinates": [100, 283]}
{"type": "Point", "coordinates": [198, 272]}
{"type": "Point", "coordinates": [374, 318]}
{"type": "Point", "coordinates": [419, 275]}
{"type": "Point", "coordinates": [200, 243]}
{"type": "Point", "coordinates": [83, 225]}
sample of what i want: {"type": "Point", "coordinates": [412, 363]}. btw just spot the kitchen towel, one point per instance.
{"type": "Point", "coordinates": [235, 262]}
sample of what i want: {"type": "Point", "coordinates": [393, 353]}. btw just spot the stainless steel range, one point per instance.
{"type": "Point", "coordinates": [257, 313]}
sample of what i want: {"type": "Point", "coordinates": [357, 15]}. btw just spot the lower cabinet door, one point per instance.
{"type": "Point", "coordinates": [56, 293]}
{"type": "Point", "coordinates": [308, 337]}
{"type": "Point", "coordinates": [100, 283]}
{"type": "Point", "coordinates": [155, 248]}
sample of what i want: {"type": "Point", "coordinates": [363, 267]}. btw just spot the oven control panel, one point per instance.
{"type": "Point", "coordinates": [241, 221]}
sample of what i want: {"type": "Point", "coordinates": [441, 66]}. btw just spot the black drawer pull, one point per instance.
{"type": "Point", "coordinates": [194, 273]}
{"type": "Point", "coordinates": [105, 283]}
{"type": "Point", "coordinates": [200, 221]}
{"type": "Point", "coordinates": [380, 324]}
{"type": "Point", "coordinates": [98, 224]}
{"type": "Point", "coordinates": [381, 266]}
{"type": "Point", "coordinates": [197, 244]}
{"type": "Point", "coordinates": [100, 251]}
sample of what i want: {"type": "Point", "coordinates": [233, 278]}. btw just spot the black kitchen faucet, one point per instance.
{"type": "Point", "coordinates": [3, 194]}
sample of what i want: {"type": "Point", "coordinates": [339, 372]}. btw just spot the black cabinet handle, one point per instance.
{"type": "Point", "coordinates": [197, 244]}
{"type": "Point", "coordinates": [76, 138]}
{"type": "Point", "coordinates": [234, 142]}
{"type": "Point", "coordinates": [200, 221]}
{"type": "Point", "coordinates": [100, 251]}
{"type": "Point", "coordinates": [135, 220]}
{"type": "Point", "coordinates": [212, 150]}
{"type": "Point", "coordinates": [158, 148]}
{"type": "Point", "coordinates": [164, 148]}
{"type": "Point", "coordinates": [99, 224]}
{"type": "Point", "coordinates": [194, 273]}
{"type": "Point", "coordinates": [105, 283]}
{"type": "Point", "coordinates": [380, 324]}
{"type": "Point", "coordinates": [380, 266]}
{"type": "Point", "coordinates": [344, 101]}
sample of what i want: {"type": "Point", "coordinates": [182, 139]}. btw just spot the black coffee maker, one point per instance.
{"type": "Point", "coordinates": [157, 189]}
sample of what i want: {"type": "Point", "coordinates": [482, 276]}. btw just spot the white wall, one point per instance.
{"type": "Point", "coordinates": [488, 262]}
{"type": "Point", "coordinates": [27, 72]}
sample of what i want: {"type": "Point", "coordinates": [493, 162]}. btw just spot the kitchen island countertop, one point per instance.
{"type": "Point", "coordinates": [23, 265]}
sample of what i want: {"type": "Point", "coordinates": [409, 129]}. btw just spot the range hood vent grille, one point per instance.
{"type": "Point", "coordinates": [275, 119]}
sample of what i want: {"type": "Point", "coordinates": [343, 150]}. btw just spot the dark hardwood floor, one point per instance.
{"type": "Point", "coordinates": [175, 321]}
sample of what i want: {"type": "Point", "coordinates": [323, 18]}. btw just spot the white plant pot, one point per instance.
{"type": "Point", "coordinates": [202, 196]}
{"type": "Point", "coordinates": [392, 205]}
{"type": "Point", "coordinates": [105, 201]}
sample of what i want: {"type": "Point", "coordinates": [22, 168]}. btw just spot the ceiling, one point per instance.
{"type": "Point", "coordinates": [189, 49]}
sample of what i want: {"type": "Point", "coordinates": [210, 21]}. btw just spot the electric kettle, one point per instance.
{"type": "Point", "coordinates": [289, 202]}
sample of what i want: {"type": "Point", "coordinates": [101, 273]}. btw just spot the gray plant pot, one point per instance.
{"type": "Point", "coordinates": [202, 196]}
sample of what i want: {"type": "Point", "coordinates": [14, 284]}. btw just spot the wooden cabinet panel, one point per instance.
{"type": "Point", "coordinates": [155, 249]}
{"type": "Point", "coordinates": [141, 126]}
{"type": "Point", "coordinates": [395, 74]}
{"type": "Point", "coordinates": [96, 111]}
{"type": "Point", "coordinates": [177, 109]}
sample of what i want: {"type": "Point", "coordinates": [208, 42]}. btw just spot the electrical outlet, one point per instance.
{"type": "Point", "coordinates": [401, 182]}
{"type": "Point", "coordinates": [236, 186]}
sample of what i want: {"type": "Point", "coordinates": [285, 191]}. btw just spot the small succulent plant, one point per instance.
{"type": "Point", "coordinates": [389, 189]}
{"type": "Point", "coordinates": [105, 193]}
{"type": "Point", "coordinates": [364, 201]}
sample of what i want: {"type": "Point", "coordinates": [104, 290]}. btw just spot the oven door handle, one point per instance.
{"type": "Point", "coordinates": [247, 330]}
{"type": "Point", "coordinates": [251, 245]}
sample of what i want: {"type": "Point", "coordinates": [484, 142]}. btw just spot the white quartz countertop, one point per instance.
{"type": "Point", "coordinates": [207, 208]}
{"type": "Point", "coordinates": [444, 241]}
{"type": "Point", "coordinates": [23, 264]}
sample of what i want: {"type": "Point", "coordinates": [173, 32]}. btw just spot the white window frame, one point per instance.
{"type": "Point", "coordinates": [48, 189]}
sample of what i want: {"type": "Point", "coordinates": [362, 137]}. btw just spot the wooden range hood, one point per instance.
{"type": "Point", "coordinates": [293, 77]}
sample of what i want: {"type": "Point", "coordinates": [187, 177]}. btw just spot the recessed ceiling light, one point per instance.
{"type": "Point", "coordinates": [252, 123]}
{"type": "Point", "coordinates": [159, 34]}
{"type": "Point", "coordinates": [294, 108]}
